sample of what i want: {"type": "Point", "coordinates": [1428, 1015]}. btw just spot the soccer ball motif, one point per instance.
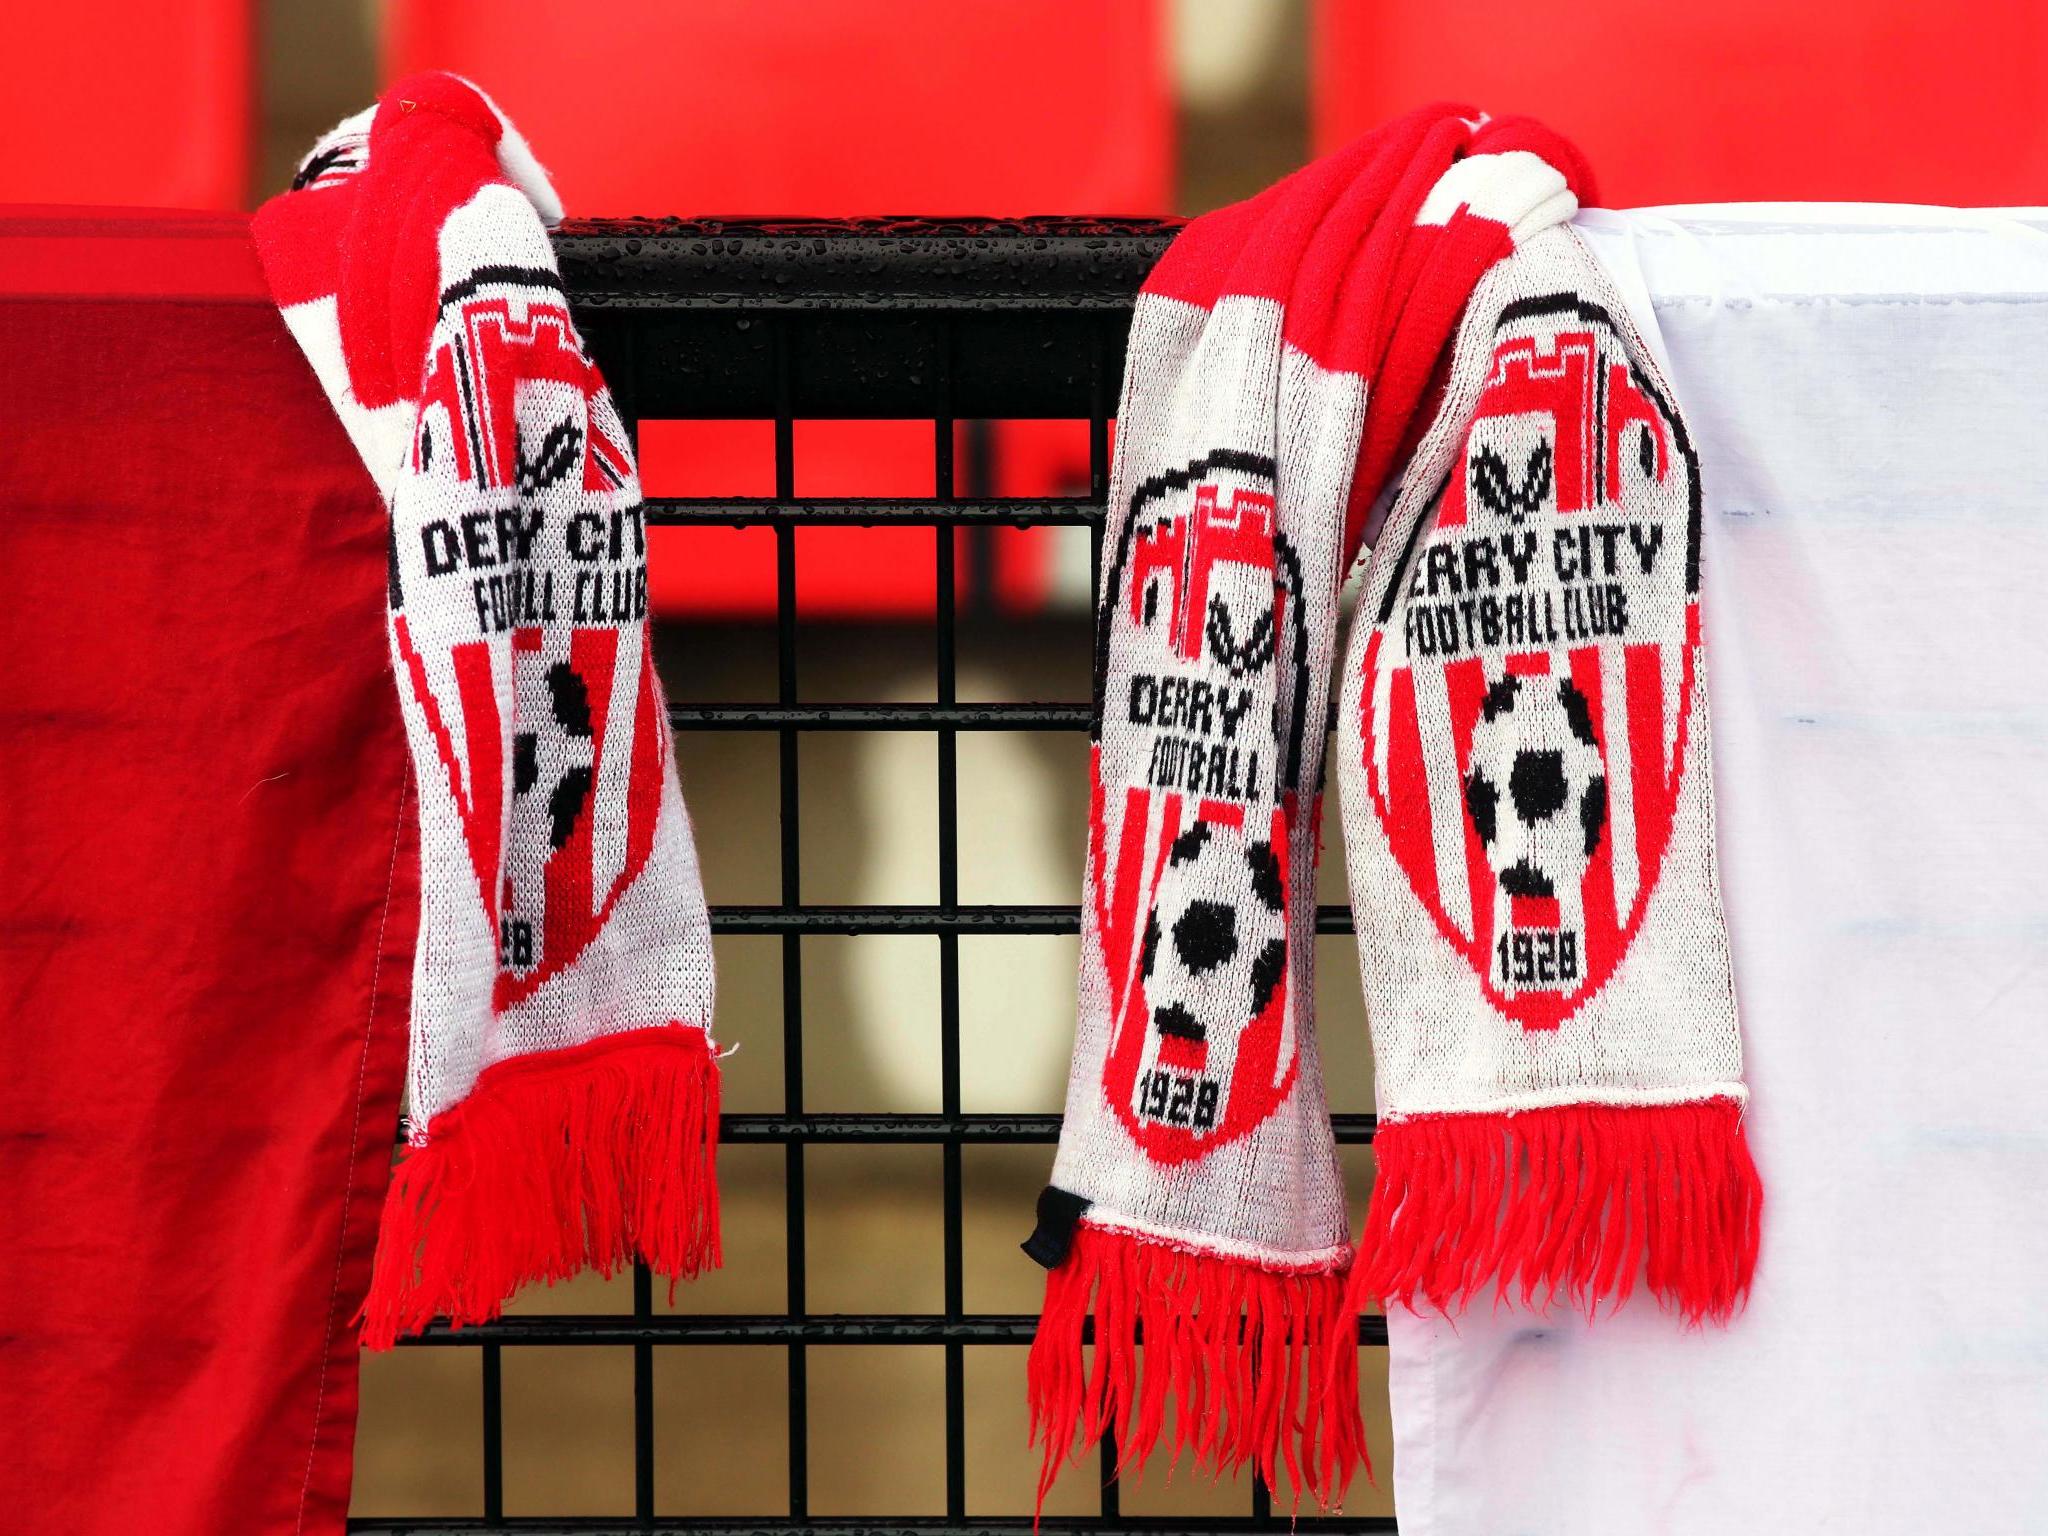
{"type": "Point", "coordinates": [1213, 960]}
{"type": "Point", "coordinates": [1536, 790]}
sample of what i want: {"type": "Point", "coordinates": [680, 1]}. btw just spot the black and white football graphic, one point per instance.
{"type": "Point", "coordinates": [1214, 954]}
{"type": "Point", "coordinates": [1536, 790]}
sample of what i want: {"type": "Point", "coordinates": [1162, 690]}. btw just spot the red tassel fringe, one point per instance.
{"type": "Point", "coordinates": [1577, 1201]}
{"type": "Point", "coordinates": [557, 1162]}
{"type": "Point", "coordinates": [1256, 1362]}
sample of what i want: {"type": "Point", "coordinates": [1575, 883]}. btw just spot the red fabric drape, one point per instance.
{"type": "Point", "coordinates": [206, 891]}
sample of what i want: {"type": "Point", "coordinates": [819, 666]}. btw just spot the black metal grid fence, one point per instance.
{"type": "Point", "coordinates": [955, 322]}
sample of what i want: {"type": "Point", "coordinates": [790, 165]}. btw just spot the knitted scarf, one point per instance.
{"type": "Point", "coordinates": [1399, 356]}
{"type": "Point", "coordinates": [563, 1091]}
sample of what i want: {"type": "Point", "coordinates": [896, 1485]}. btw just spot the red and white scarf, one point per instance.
{"type": "Point", "coordinates": [1398, 357]}
{"type": "Point", "coordinates": [563, 1087]}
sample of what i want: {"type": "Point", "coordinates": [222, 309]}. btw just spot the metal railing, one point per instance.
{"type": "Point", "coordinates": [949, 322]}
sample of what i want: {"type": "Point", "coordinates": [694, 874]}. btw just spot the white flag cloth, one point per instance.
{"type": "Point", "coordinates": [1867, 389]}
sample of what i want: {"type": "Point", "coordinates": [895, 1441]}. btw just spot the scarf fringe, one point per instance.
{"type": "Point", "coordinates": [1577, 1201]}
{"type": "Point", "coordinates": [584, 1158]}
{"type": "Point", "coordinates": [1258, 1365]}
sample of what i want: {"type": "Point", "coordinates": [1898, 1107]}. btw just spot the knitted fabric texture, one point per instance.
{"type": "Point", "coordinates": [1397, 363]}
{"type": "Point", "coordinates": [563, 1087]}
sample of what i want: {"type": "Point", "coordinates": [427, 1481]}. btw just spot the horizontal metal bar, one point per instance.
{"type": "Point", "coordinates": [564, 1330]}
{"type": "Point", "coordinates": [767, 512]}
{"type": "Point", "coordinates": [940, 1129]}
{"type": "Point", "coordinates": [901, 1525]}
{"type": "Point", "coordinates": [879, 717]}
{"type": "Point", "coordinates": [887, 717]}
{"type": "Point", "coordinates": [981, 265]}
{"type": "Point", "coordinates": [933, 919]}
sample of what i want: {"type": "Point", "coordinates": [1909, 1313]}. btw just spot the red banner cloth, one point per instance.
{"type": "Point", "coordinates": [206, 891]}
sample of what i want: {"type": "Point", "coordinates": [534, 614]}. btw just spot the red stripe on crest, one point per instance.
{"type": "Point", "coordinates": [482, 816]}
{"type": "Point", "coordinates": [1118, 926]}
{"type": "Point", "coordinates": [1368, 726]}
{"type": "Point", "coordinates": [1654, 780]}
{"type": "Point", "coordinates": [483, 729]}
{"type": "Point", "coordinates": [651, 748]}
{"type": "Point", "coordinates": [1465, 687]}
{"type": "Point", "coordinates": [1603, 922]}
{"type": "Point", "coordinates": [1408, 822]}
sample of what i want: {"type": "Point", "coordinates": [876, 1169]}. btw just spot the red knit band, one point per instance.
{"type": "Point", "coordinates": [584, 1158]}
{"type": "Point", "coordinates": [1258, 1365]}
{"type": "Point", "coordinates": [1578, 1202]}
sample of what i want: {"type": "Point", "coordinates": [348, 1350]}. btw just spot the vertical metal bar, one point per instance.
{"type": "Point", "coordinates": [643, 1400]}
{"type": "Point", "coordinates": [494, 1434]}
{"type": "Point", "coordinates": [946, 636]}
{"type": "Point", "coordinates": [1098, 454]}
{"type": "Point", "coordinates": [976, 480]}
{"type": "Point", "coordinates": [792, 944]}
{"type": "Point", "coordinates": [1262, 1499]}
{"type": "Point", "coordinates": [626, 397]}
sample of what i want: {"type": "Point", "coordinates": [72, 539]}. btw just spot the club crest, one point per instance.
{"type": "Point", "coordinates": [551, 555]}
{"type": "Point", "coordinates": [1529, 676]}
{"type": "Point", "coordinates": [1191, 850]}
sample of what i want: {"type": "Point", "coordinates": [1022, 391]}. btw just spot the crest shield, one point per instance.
{"type": "Point", "coordinates": [1190, 820]}
{"type": "Point", "coordinates": [1529, 679]}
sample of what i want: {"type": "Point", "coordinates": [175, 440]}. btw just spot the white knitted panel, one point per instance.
{"type": "Point", "coordinates": [1460, 1024]}
{"type": "Point", "coordinates": [1245, 1165]}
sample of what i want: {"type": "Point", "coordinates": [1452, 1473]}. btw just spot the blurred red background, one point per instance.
{"type": "Point", "coordinates": [858, 107]}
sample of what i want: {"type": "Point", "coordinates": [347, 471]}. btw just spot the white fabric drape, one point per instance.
{"type": "Point", "coordinates": [1869, 389]}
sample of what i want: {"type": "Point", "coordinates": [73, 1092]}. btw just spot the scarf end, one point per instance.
{"type": "Point", "coordinates": [1257, 1363]}
{"type": "Point", "coordinates": [587, 1158]}
{"type": "Point", "coordinates": [1580, 1201]}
